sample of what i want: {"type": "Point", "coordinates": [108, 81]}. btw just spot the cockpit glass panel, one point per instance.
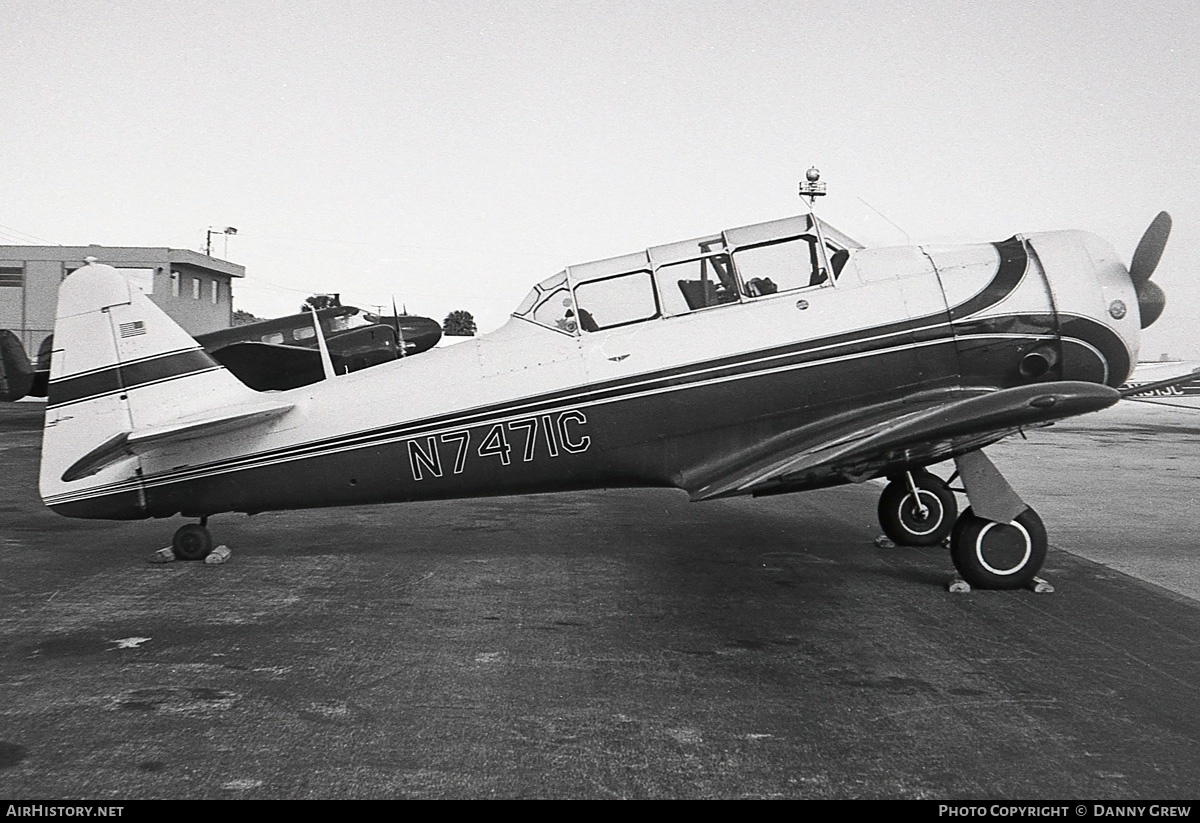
{"type": "Point", "coordinates": [358, 317]}
{"type": "Point", "coordinates": [616, 301]}
{"type": "Point", "coordinates": [555, 310]}
{"type": "Point", "coordinates": [784, 265]}
{"type": "Point", "coordinates": [696, 284]}
{"type": "Point", "coordinates": [527, 304]}
{"type": "Point", "coordinates": [534, 304]}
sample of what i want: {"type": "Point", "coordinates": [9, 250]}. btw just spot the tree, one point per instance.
{"type": "Point", "coordinates": [459, 323]}
{"type": "Point", "coordinates": [321, 301]}
{"type": "Point", "coordinates": [244, 318]}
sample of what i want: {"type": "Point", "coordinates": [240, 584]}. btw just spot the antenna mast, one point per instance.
{"type": "Point", "coordinates": [811, 188]}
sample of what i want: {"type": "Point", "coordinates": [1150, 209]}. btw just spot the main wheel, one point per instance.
{"type": "Point", "coordinates": [191, 542]}
{"type": "Point", "coordinates": [991, 555]}
{"type": "Point", "coordinates": [910, 524]}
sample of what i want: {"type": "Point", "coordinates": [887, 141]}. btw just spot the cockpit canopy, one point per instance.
{"type": "Point", "coordinates": [736, 266]}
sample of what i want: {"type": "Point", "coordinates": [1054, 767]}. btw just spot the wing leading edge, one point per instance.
{"type": "Point", "coordinates": [920, 430]}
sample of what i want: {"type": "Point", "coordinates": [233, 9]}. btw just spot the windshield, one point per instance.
{"type": "Point", "coordinates": [549, 304]}
{"type": "Point", "coordinates": [348, 317]}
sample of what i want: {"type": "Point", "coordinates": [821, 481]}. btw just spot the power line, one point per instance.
{"type": "Point", "coordinates": [24, 237]}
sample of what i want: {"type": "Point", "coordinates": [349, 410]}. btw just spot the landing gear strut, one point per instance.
{"type": "Point", "coordinates": [192, 541]}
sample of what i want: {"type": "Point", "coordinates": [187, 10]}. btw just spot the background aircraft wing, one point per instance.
{"type": "Point", "coordinates": [923, 429]}
{"type": "Point", "coordinates": [267, 366]}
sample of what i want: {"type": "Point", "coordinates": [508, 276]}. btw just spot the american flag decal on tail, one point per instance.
{"type": "Point", "coordinates": [132, 329]}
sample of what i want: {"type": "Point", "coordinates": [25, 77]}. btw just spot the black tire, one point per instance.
{"type": "Point", "coordinates": [191, 542]}
{"type": "Point", "coordinates": [991, 555]}
{"type": "Point", "coordinates": [901, 519]}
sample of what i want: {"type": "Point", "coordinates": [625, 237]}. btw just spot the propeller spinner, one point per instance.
{"type": "Point", "coordinates": [1151, 299]}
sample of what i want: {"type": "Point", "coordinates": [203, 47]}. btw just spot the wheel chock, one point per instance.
{"type": "Point", "coordinates": [884, 542]}
{"type": "Point", "coordinates": [218, 556]}
{"type": "Point", "coordinates": [166, 555]}
{"type": "Point", "coordinates": [959, 586]}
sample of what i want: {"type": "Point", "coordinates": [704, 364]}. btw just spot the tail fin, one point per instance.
{"type": "Point", "coordinates": [123, 378]}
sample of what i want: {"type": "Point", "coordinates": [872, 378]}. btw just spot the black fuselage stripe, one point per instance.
{"type": "Point", "coordinates": [125, 376]}
{"type": "Point", "coordinates": [1014, 262]}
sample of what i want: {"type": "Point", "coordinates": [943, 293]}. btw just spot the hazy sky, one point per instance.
{"type": "Point", "coordinates": [454, 153]}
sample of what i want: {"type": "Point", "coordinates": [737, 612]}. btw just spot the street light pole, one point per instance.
{"type": "Point", "coordinates": [228, 230]}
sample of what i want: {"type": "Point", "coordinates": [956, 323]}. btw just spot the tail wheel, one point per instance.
{"type": "Point", "coordinates": [991, 555]}
{"type": "Point", "coordinates": [192, 542]}
{"type": "Point", "coordinates": [923, 519]}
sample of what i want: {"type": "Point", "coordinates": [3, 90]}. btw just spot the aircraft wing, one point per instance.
{"type": "Point", "coordinates": [865, 443]}
{"type": "Point", "coordinates": [267, 366]}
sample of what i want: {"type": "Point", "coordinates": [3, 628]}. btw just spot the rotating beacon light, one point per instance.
{"type": "Point", "coordinates": [811, 188]}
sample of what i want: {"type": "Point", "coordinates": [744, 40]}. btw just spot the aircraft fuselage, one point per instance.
{"type": "Point", "coordinates": [542, 405]}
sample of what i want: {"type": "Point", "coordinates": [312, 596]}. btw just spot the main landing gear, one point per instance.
{"type": "Point", "coordinates": [192, 541]}
{"type": "Point", "coordinates": [996, 543]}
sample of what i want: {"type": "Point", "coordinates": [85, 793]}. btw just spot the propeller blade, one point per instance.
{"type": "Point", "coordinates": [399, 334]}
{"type": "Point", "coordinates": [1151, 302]}
{"type": "Point", "coordinates": [1149, 250]}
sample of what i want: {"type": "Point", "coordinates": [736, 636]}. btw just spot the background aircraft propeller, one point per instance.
{"type": "Point", "coordinates": [399, 334]}
{"type": "Point", "coordinates": [1151, 299]}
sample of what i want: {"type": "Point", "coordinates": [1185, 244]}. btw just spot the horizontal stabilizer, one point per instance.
{"type": "Point", "coordinates": [125, 444]}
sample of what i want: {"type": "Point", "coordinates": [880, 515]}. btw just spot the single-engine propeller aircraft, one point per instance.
{"type": "Point", "coordinates": [762, 360]}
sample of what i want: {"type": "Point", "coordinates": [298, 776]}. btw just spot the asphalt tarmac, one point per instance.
{"type": "Point", "coordinates": [612, 644]}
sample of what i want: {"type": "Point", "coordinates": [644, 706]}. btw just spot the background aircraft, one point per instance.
{"type": "Point", "coordinates": [1165, 382]}
{"type": "Point", "coordinates": [17, 373]}
{"type": "Point", "coordinates": [766, 359]}
{"type": "Point", "coordinates": [272, 354]}
{"type": "Point", "coordinates": [283, 353]}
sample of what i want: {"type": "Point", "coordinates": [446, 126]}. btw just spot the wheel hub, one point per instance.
{"type": "Point", "coordinates": [1003, 549]}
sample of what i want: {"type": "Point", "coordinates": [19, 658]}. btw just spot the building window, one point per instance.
{"type": "Point", "coordinates": [195, 288]}
{"type": "Point", "coordinates": [12, 276]}
{"type": "Point", "coordinates": [215, 291]}
{"type": "Point", "coordinates": [174, 284]}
